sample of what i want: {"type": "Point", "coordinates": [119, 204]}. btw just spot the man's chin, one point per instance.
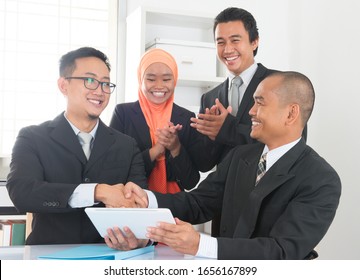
{"type": "Point", "coordinates": [93, 117]}
{"type": "Point", "coordinates": [254, 135]}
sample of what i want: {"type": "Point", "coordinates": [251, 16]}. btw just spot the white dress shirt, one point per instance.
{"type": "Point", "coordinates": [246, 77]}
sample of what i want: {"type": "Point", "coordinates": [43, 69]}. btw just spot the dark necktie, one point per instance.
{"type": "Point", "coordinates": [235, 98]}
{"type": "Point", "coordinates": [261, 168]}
{"type": "Point", "coordinates": [85, 141]}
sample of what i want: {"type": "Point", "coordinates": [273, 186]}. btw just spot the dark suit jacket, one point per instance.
{"type": "Point", "coordinates": [184, 169]}
{"type": "Point", "coordinates": [284, 217]}
{"type": "Point", "coordinates": [47, 165]}
{"type": "Point", "coordinates": [235, 130]}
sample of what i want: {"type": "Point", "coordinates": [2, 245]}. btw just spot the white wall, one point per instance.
{"type": "Point", "coordinates": [325, 45]}
{"type": "Point", "coordinates": [320, 39]}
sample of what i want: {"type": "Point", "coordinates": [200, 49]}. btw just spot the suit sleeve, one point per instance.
{"type": "Point", "coordinates": [233, 133]}
{"type": "Point", "coordinates": [26, 184]}
{"type": "Point", "coordinates": [182, 168]}
{"type": "Point", "coordinates": [200, 204]}
{"type": "Point", "coordinates": [214, 149]}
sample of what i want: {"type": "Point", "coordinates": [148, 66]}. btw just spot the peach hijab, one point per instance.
{"type": "Point", "coordinates": [157, 116]}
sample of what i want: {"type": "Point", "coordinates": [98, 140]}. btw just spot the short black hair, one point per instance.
{"type": "Point", "coordinates": [238, 14]}
{"type": "Point", "coordinates": [67, 61]}
{"type": "Point", "coordinates": [296, 88]}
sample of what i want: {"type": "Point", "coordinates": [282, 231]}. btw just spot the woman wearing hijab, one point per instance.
{"type": "Point", "coordinates": [173, 151]}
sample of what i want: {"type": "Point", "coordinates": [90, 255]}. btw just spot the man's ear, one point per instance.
{"type": "Point", "coordinates": [255, 44]}
{"type": "Point", "coordinates": [63, 84]}
{"type": "Point", "coordinates": [293, 114]}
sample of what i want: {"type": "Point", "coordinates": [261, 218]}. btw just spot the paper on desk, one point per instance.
{"type": "Point", "coordinates": [96, 252]}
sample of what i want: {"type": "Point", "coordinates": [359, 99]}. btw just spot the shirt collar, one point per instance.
{"type": "Point", "coordinates": [274, 155]}
{"type": "Point", "coordinates": [246, 75]}
{"type": "Point", "coordinates": [76, 130]}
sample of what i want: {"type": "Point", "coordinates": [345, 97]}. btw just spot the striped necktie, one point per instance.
{"type": "Point", "coordinates": [261, 168]}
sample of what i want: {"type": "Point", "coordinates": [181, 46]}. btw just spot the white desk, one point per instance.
{"type": "Point", "coordinates": [31, 252]}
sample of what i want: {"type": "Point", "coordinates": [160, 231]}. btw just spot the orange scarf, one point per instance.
{"type": "Point", "coordinates": [157, 116]}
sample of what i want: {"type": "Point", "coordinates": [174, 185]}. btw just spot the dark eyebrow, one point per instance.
{"type": "Point", "coordinates": [259, 98]}
{"type": "Point", "coordinates": [94, 75]}
{"type": "Point", "coordinates": [90, 73]}
{"type": "Point", "coordinates": [236, 36]}
{"type": "Point", "coordinates": [231, 37]}
{"type": "Point", "coordinates": [164, 75]}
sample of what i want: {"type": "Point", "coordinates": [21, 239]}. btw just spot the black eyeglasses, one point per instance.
{"type": "Point", "coordinates": [91, 83]}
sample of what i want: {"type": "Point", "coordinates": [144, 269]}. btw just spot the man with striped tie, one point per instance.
{"type": "Point", "coordinates": [281, 211]}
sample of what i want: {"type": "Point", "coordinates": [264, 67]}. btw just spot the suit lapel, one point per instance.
{"type": "Point", "coordinates": [142, 129]}
{"type": "Point", "coordinates": [279, 173]}
{"type": "Point", "coordinates": [104, 139]}
{"type": "Point", "coordinates": [223, 93]}
{"type": "Point", "coordinates": [64, 135]}
{"type": "Point", "coordinates": [176, 114]}
{"type": "Point", "coordinates": [244, 185]}
{"type": "Point", "coordinates": [275, 177]}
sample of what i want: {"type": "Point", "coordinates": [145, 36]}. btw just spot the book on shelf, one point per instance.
{"type": "Point", "coordinates": [13, 232]}
{"type": "Point", "coordinates": [6, 229]}
{"type": "Point", "coordinates": [18, 232]}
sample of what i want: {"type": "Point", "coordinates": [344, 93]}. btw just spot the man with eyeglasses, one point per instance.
{"type": "Point", "coordinates": [54, 176]}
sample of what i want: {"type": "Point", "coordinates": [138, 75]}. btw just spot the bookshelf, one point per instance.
{"type": "Point", "coordinates": [12, 223]}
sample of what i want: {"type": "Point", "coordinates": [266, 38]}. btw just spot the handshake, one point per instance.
{"type": "Point", "coordinates": [181, 237]}
{"type": "Point", "coordinates": [129, 195]}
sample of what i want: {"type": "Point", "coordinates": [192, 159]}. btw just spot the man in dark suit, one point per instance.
{"type": "Point", "coordinates": [237, 41]}
{"type": "Point", "coordinates": [50, 174]}
{"type": "Point", "coordinates": [280, 214]}
{"type": "Point", "coordinates": [237, 38]}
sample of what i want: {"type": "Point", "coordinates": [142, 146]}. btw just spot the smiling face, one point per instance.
{"type": "Point", "coordinates": [84, 105]}
{"type": "Point", "coordinates": [271, 118]}
{"type": "Point", "coordinates": [158, 83]}
{"type": "Point", "coordinates": [233, 46]}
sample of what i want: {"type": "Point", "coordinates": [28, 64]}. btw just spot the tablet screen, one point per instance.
{"type": "Point", "coordinates": [137, 219]}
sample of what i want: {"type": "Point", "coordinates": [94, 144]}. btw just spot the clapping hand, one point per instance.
{"type": "Point", "coordinates": [211, 121]}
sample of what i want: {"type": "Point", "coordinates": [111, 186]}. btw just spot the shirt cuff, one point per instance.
{"type": "Point", "coordinates": [208, 247]}
{"type": "Point", "coordinates": [151, 199]}
{"type": "Point", "coordinates": [82, 196]}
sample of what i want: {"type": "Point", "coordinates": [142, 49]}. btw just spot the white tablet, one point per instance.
{"type": "Point", "coordinates": [137, 219]}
